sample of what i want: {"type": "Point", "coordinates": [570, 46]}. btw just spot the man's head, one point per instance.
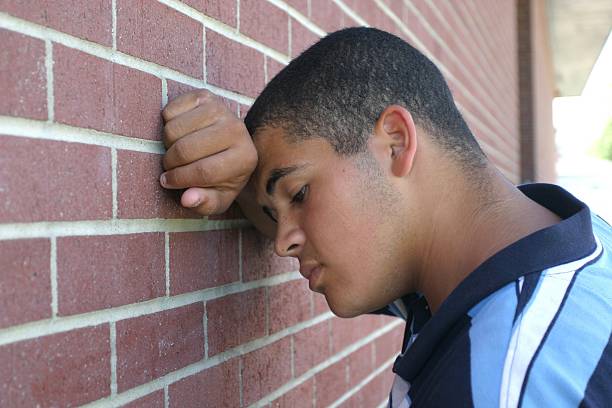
{"type": "Point", "coordinates": [336, 133]}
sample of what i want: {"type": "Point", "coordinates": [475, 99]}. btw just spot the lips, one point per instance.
{"type": "Point", "coordinates": [311, 271]}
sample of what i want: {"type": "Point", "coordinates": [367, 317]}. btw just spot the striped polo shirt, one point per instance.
{"type": "Point", "coordinates": [530, 327]}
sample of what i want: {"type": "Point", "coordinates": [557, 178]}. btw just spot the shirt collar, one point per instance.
{"type": "Point", "coordinates": [568, 240]}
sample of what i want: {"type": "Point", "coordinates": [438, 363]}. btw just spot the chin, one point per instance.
{"type": "Point", "coordinates": [343, 311]}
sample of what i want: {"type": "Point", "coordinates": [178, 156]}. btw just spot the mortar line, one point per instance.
{"type": "Point", "coordinates": [61, 324]}
{"type": "Point", "coordinates": [114, 23]}
{"type": "Point", "coordinates": [114, 181]}
{"type": "Point", "coordinates": [164, 90]}
{"type": "Point", "coordinates": [330, 361]}
{"type": "Point", "coordinates": [107, 53]}
{"type": "Point", "coordinates": [265, 67]}
{"type": "Point", "coordinates": [304, 20]}
{"type": "Point", "coordinates": [385, 366]}
{"type": "Point", "coordinates": [485, 91]}
{"type": "Point", "coordinates": [350, 12]}
{"type": "Point", "coordinates": [204, 70]}
{"type": "Point", "coordinates": [240, 384]}
{"type": "Point", "coordinates": [167, 261]}
{"type": "Point", "coordinates": [49, 75]}
{"type": "Point", "coordinates": [205, 364]}
{"type": "Point", "coordinates": [113, 358]}
{"type": "Point", "coordinates": [53, 276]}
{"type": "Point", "coordinates": [119, 226]}
{"type": "Point", "coordinates": [240, 271]}
{"type": "Point", "coordinates": [205, 326]}
{"type": "Point", "coordinates": [166, 396]}
{"type": "Point", "coordinates": [238, 16]}
{"type": "Point", "coordinates": [445, 71]}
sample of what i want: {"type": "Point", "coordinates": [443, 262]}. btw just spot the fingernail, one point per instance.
{"type": "Point", "coordinates": [195, 203]}
{"type": "Point", "coordinates": [162, 179]}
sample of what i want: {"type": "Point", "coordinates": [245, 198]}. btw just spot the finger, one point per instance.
{"type": "Point", "coordinates": [207, 201]}
{"type": "Point", "coordinates": [210, 171]}
{"type": "Point", "coordinates": [199, 144]}
{"type": "Point", "coordinates": [184, 103]}
{"type": "Point", "coordinates": [200, 117]}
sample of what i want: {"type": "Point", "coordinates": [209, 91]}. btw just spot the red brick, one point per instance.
{"type": "Point", "coordinates": [22, 76]}
{"type": "Point", "coordinates": [233, 66]}
{"type": "Point", "coordinates": [258, 258]}
{"type": "Point", "coordinates": [25, 284]}
{"type": "Point", "coordinates": [265, 369]}
{"type": "Point", "coordinates": [139, 193]}
{"type": "Point", "coordinates": [301, 38]}
{"type": "Point", "coordinates": [371, 395]}
{"type": "Point", "coordinates": [215, 387]}
{"type": "Point", "coordinates": [222, 10]}
{"type": "Point", "coordinates": [157, 33]}
{"type": "Point", "coordinates": [90, 20]}
{"type": "Point", "coordinates": [176, 89]}
{"type": "Point", "coordinates": [151, 346]}
{"type": "Point", "coordinates": [327, 15]}
{"type": "Point", "coordinates": [273, 67]}
{"type": "Point", "coordinates": [311, 347]}
{"type": "Point", "coordinates": [320, 304]}
{"type": "Point", "coordinates": [64, 369]}
{"type": "Point", "coordinates": [388, 345]}
{"type": "Point", "coordinates": [122, 275]}
{"type": "Point", "coordinates": [235, 319]}
{"type": "Point", "coordinates": [244, 109]}
{"type": "Point", "coordinates": [331, 383]}
{"type": "Point", "coordinates": [289, 304]}
{"type": "Point", "coordinates": [299, 5]}
{"type": "Point", "coordinates": [300, 396]}
{"type": "Point", "coordinates": [154, 400]}
{"type": "Point", "coordinates": [65, 181]}
{"type": "Point", "coordinates": [94, 93]}
{"type": "Point", "coordinates": [265, 23]}
{"type": "Point", "coordinates": [200, 260]}
{"type": "Point", "coordinates": [360, 364]}
{"type": "Point", "coordinates": [347, 331]}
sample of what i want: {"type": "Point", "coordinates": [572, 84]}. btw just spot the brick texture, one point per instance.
{"type": "Point", "coordinates": [90, 20]}
{"type": "Point", "coordinates": [235, 319]}
{"type": "Point", "coordinates": [104, 101]}
{"type": "Point", "coordinates": [233, 66]}
{"type": "Point", "coordinates": [60, 186]}
{"type": "Point", "coordinates": [96, 256]}
{"type": "Point", "coordinates": [215, 387]}
{"type": "Point", "coordinates": [25, 285]}
{"type": "Point", "coordinates": [153, 345]}
{"type": "Point", "coordinates": [194, 260]}
{"type": "Point", "coordinates": [126, 276]}
{"type": "Point", "coordinates": [157, 33]}
{"type": "Point", "coordinates": [65, 369]}
{"type": "Point", "coordinates": [273, 363]}
{"type": "Point", "coordinates": [23, 76]}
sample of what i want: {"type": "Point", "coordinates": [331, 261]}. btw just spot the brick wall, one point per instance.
{"type": "Point", "coordinates": [110, 294]}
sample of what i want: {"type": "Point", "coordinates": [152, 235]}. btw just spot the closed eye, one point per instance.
{"type": "Point", "coordinates": [300, 196]}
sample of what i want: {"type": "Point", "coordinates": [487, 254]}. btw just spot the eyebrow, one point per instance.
{"type": "Point", "coordinates": [276, 175]}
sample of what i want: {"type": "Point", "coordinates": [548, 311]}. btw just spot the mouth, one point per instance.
{"type": "Point", "coordinates": [312, 272]}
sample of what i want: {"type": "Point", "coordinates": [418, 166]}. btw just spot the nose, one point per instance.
{"type": "Point", "coordinates": [289, 238]}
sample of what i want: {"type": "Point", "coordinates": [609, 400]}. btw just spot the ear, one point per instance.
{"type": "Point", "coordinates": [395, 137]}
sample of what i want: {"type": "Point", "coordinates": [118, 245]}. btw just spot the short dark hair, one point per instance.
{"type": "Point", "coordinates": [338, 88]}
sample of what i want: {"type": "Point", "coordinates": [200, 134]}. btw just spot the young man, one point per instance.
{"type": "Point", "coordinates": [361, 167]}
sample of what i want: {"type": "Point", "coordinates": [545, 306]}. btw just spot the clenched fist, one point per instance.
{"type": "Point", "coordinates": [210, 152]}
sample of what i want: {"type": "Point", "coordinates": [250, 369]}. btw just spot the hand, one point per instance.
{"type": "Point", "coordinates": [210, 152]}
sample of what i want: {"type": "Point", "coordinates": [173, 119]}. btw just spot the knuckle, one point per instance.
{"type": "Point", "coordinates": [203, 172]}
{"type": "Point", "coordinates": [181, 151]}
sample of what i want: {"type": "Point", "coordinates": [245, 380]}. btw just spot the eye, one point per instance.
{"type": "Point", "coordinates": [300, 195]}
{"type": "Point", "coordinates": [269, 213]}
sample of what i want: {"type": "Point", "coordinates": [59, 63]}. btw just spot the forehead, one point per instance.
{"type": "Point", "coordinates": [275, 152]}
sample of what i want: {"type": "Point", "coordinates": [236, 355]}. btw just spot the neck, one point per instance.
{"type": "Point", "coordinates": [470, 227]}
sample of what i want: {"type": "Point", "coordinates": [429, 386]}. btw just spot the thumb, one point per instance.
{"type": "Point", "coordinates": [207, 201]}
